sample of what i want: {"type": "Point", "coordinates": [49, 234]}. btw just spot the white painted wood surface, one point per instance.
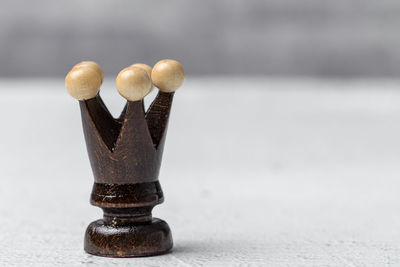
{"type": "Point", "coordinates": [282, 173]}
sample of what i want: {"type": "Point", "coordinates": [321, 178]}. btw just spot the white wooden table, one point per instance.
{"type": "Point", "coordinates": [255, 172]}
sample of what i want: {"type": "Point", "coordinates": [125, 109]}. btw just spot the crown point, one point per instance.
{"type": "Point", "coordinates": [133, 83]}
{"type": "Point", "coordinates": [83, 83]}
{"type": "Point", "coordinates": [93, 65]}
{"type": "Point", "coordinates": [168, 75]}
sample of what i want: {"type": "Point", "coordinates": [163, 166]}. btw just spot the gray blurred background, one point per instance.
{"type": "Point", "coordinates": [341, 38]}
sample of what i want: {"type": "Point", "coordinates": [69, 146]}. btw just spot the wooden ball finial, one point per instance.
{"type": "Point", "coordinates": [83, 83]}
{"type": "Point", "coordinates": [168, 75]}
{"type": "Point", "coordinates": [133, 83]}
{"type": "Point", "coordinates": [93, 65]}
{"type": "Point", "coordinates": [147, 68]}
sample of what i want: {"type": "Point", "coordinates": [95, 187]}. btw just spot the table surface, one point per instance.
{"type": "Point", "coordinates": [256, 172]}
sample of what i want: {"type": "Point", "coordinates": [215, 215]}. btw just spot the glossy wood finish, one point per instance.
{"type": "Point", "coordinates": [125, 154]}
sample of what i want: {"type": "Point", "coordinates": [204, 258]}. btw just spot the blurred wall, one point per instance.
{"type": "Point", "coordinates": [286, 37]}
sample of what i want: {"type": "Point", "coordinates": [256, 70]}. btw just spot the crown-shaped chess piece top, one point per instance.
{"type": "Point", "coordinates": [125, 154]}
{"type": "Point", "coordinates": [135, 131]}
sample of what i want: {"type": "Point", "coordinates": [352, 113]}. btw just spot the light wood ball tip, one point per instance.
{"type": "Point", "coordinates": [83, 83]}
{"type": "Point", "coordinates": [93, 65]}
{"type": "Point", "coordinates": [168, 75]}
{"type": "Point", "coordinates": [133, 83]}
{"type": "Point", "coordinates": [147, 68]}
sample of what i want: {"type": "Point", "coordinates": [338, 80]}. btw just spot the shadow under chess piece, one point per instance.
{"type": "Point", "coordinates": [125, 155]}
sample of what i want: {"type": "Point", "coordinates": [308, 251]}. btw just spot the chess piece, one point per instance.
{"type": "Point", "coordinates": [125, 155]}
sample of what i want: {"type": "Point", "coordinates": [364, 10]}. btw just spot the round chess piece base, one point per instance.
{"type": "Point", "coordinates": [112, 238]}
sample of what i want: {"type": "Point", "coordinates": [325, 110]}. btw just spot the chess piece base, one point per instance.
{"type": "Point", "coordinates": [113, 238]}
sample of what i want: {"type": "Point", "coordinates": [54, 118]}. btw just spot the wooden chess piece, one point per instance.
{"type": "Point", "coordinates": [125, 154]}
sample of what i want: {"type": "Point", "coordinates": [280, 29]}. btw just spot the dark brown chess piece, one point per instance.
{"type": "Point", "coordinates": [125, 154]}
